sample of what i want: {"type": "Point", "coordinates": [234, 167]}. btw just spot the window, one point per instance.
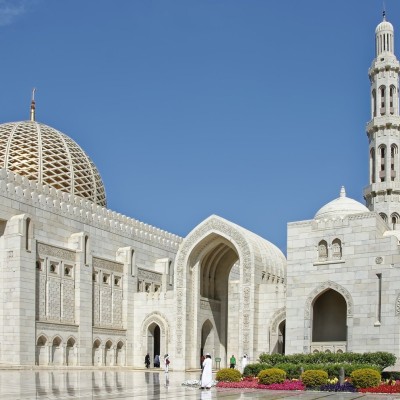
{"type": "Point", "coordinates": [106, 279]}
{"type": "Point", "coordinates": [53, 268]}
{"type": "Point", "coordinates": [117, 281]}
{"type": "Point", "coordinates": [68, 270]}
{"type": "Point", "coordinates": [322, 250]}
{"type": "Point", "coordinates": [38, 265]}
{"type": "Point", "coordinates": [337, 249]}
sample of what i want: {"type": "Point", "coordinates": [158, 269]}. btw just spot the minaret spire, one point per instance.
{"type": "Point", "coordinates": [383, 130]}
{"type": "Point", "coordinates": [33, 105]}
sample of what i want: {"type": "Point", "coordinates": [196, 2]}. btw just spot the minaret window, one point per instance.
{"type": "Point", "coordinates": [383, 216]}
{"type": "Point", "coordinates": [382, 165]}
{"type": "Point", "coordinates": [393, 161]}
{"type": "Point", "coordinates": [372, 165]}
{"type": "Point", "coordinates": [383, 107]}
{"type": "Point", "coordinates": [374, 103]}
{"type": "Point", "coordinates": [391, 99]}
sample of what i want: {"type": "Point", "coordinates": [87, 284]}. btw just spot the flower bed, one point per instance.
{"type": "Point", "coordinates": [387, 387]}
{"type": "Point", "coordinates": [252, 383]}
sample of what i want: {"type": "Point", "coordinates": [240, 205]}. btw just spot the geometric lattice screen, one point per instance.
{"type": "Point", "coordinates": [45, 155]}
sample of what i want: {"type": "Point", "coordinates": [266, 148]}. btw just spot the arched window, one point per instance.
{"type": "Point", "coordinates": [28, 234]}
{"type": "Point", "coordinates": [394, 219]}
{"type": "Point", "coordinates": [383, 216]}
{"type": "Point", "coordinates": [393, 161]}
{"type": "Point", "coordinates": [86, 250]}
{"type": "Point", "coordinates": [337, 249]}
{"type": "Point", "coordinates": [372, 165]}
{"type": "Point", "coordinates": [382, 152]}
{"type": "Point", "coordinates": [322, 250]}
{"type": "Point", "coordinates": [391, 99]}
{"type": "Point", "coordinates": [374, 103]}
{"type": "Point", "coordinates": [382, 90]}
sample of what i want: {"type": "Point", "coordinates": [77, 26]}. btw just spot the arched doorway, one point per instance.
{"type": "Point", "coordinates": [207, 339]}
{"type": "Point", "coordinates": [153, 340]}
{"type": "Point", "coordinates": [109, 356]}
{"type": "Point", "coordinates": [218, 266]}
{"type": "Point", "coordinates": [42, 355]}
{"type": "Point", "coordinates": [71, 353]}
{"type": "Point", "coordinates": [97, 353]}
{"type": "Point", "coordinates": [281, 337]}
{"type": "Point", "coordinates": [120, 358]}
{"type": "Point", "coordinates": [57, 355]}
{"type": "Point", "coordinates": [329, 322]}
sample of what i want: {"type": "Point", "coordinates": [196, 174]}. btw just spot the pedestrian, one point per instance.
{"type": "Point", "coordinates": [206, 376]}
{"type": "Point", "coordinates": [232, 361]}
{"type": "Point", "coordinates": [202, 358]}
{"type": "Point", "coordinates": [166, 362]}
{"type": "Point", "coordinates": [244, 362]}
{"type": "Point", "coordinates": [157, 361]}
{"type": "Point", "coordinates": [147, 360]}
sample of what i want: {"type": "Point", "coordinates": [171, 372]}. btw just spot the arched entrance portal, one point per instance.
{"type": "Point", "coordinates": [281, 337]}
{"type": "Point", "coordinates": [218, 267]}
{"type": "Point", "coordinates": [329, 322]}
{"type": "Point", "coordinates": [153, 341]}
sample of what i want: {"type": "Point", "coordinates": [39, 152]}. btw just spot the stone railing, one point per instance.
{"type": "Point", "coordinates": [19, 188]}
{"type": "Point", "coordinates": [328, 347]}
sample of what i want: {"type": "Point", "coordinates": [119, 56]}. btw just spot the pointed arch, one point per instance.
{"type": "Point", "coordinates": [254, 255]}
{"type": "Point", "coordinates": [320, 289]}
{"type": "Point", "coordinates": [277, 337]}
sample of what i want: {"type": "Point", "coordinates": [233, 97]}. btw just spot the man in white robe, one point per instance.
{"type": "Point", "coordinates": [206, 376]}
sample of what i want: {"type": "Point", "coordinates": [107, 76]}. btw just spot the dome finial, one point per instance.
{"type": "Point", "coordinates": [33, 115]}
{"type": "Point", "coordinates": [383, 11]}
{"type": "Point", "coordinates": [342, 192]}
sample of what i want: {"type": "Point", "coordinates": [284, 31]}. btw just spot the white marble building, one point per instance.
{"type": "Point", "coordinates": [84, 285]}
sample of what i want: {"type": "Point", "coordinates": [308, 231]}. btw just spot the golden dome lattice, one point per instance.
{"type": "Point", "coordinates": [50, 157]}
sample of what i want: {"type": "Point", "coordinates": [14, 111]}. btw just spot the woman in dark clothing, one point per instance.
{"type": "Point", "coordinates": [147, 360]}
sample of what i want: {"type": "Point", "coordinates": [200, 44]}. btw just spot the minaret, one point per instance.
{"type": "Point", "coordinates": [383, 131]}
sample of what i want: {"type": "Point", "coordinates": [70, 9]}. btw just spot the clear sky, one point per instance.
{"type": "Point", "coordinates": [254, 110]}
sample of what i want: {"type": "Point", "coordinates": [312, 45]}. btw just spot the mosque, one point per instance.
{"type": "Point", "coordinates": [82, 285]}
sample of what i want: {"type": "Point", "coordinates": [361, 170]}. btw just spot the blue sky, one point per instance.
{"type": "Point", "coordinates": [254, 110]}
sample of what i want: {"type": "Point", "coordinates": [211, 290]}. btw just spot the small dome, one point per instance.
{"type": "Point", "coordinates": [384, 26]}
{"type": "Point", "coordinates": [45, 155]}
{"type": "Point", "coordinates": [341, 207]}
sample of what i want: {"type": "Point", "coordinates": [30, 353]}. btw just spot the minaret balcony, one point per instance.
{"type": "Point", "coordinates": [381, 187]}
{"type": "Point", "coordinates": [382, 122]}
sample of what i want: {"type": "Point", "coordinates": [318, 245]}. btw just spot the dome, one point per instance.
{"type": "Point", "coordinates": [45, 155]}
{"type": "Point", "coordinates": [341, 207]}
{"type": "Point", "coordinates": [384, 26]}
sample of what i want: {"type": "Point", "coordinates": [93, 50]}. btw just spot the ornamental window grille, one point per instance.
{"type": "Point", "coordinates": [322, 250]}
{"type": "Point", "coordinates": [336, 249]}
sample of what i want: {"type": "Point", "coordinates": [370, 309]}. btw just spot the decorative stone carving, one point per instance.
{"type": "Point", "coordinates": [53, 251]}
{"type": "Point", "coordinates": [99, 263]}
{"type": "Point", "coordinates": [379, 260]}
{"type": "Point", "coordinates": [277, 317]}
{"type": "Point", "coordinates": [149, 276]}
{"type": "Point", "coordinates": [397, 306]}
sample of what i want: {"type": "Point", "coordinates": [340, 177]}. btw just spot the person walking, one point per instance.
{"type": "Point", "coordinates": [206, 376]}
{"type": "Point", "coordinates": [147, 360]}
{"type": "Point", "coordinates": [166, 362]}
{"type": "Point", "coordinates": [157, 361]}
{"type": "Point", "coordinates": [232, 361]}
{"type": "Point", "coordinates": [244, 362]}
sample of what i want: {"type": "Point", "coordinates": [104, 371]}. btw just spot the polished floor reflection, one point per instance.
{"type": "Point", "coordinates": [123, 384]}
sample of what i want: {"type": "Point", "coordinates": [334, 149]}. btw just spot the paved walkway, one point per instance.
{"type": "Point", "coordinates": [138, 385]}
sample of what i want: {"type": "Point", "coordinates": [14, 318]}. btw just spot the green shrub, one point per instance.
{"type": "Point", "coordinates": [293, 371]}
{"type": "Point", "coordinates": [380, 359]}
{"type": "Point", "coordinates": [314, 377]}
{"type": "Point", "coordinates": [271, 375]}
{"type": "Point", "coordinates": [228, 375]}
{"type": "Point", "coordinates": [366, 377]}
{"type": "Point", "coordinates": [255, 369]}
